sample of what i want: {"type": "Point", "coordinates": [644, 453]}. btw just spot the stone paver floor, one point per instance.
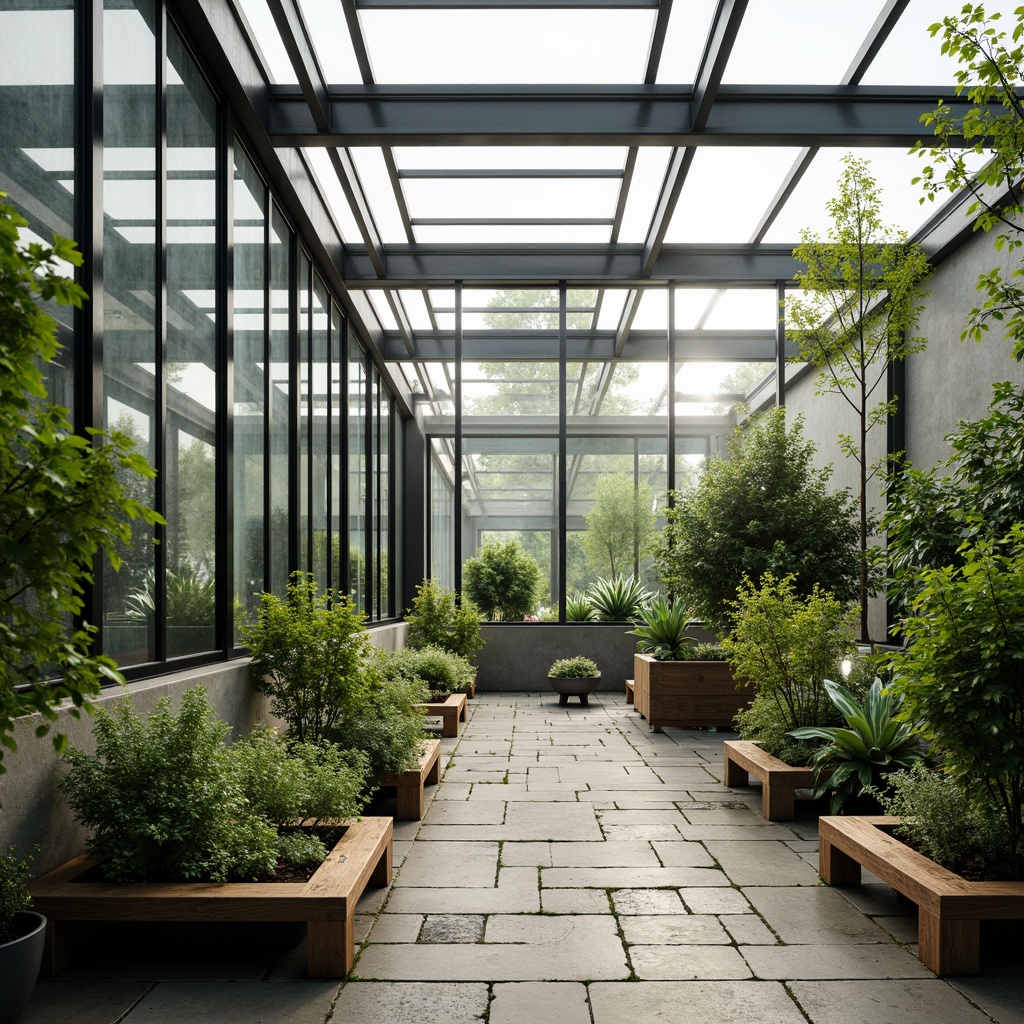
{"type": "Point", "coordinates": [573, 867]}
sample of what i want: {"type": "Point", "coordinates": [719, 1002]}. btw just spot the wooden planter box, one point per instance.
{"type": "Point", "coordinates": [451, 711]}
{"type": "Point", "coordinates": [779, 781]}
{"type": "Point", "coordinates": [326, 903]}
{"type": "Point", "coordinates": [410, 784]}
{"type": "Point", "coordinates": [687, 694]}
{"type": "Point", "coordinates": [949, 908]}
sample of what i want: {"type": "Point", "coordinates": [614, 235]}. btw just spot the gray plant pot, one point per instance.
{"type": "Point", "coordinates": [19, 967]}
{"type": "Point", "coordinates": [574, 686]}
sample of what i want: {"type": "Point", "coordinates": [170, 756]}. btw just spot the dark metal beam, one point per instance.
{"type": "Point", "coordinates": [648, 115]}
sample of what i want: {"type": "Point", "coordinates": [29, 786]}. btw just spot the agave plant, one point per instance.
{"type": "Point", "coordinates": [662, 631]}
{"type": "Point", "coordinates": [856, 759]}
{"type": "Point", "coordinates": [578, 608]}
{"type": "Point", "coordinates": [618, 600]}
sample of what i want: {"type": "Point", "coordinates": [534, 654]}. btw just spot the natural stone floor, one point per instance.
{"type": "Point", "coordinates": [574, 868]}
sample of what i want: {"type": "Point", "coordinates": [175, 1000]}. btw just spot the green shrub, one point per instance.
{"type": "Point", "coordinates": [958, 827]}
{"type": "Point", "coordinates": [502, 581]}
{"type": "Point", "coordinates": [190, 598]}
{"type": "Point", "coordinates": [859, 758]}
{"type": "Point", "coordinates": [762, 508]}
{"type": "Point", "coordinates": [573, 668]}
{"type": "Point", "coordinates": [14, 894]}
{"type": "Point", "coordinates": [309, 653]}
{"type": "Point", "coordinates": [618, 600]}
{"type": "Point", "coordinates": [662, 631]}
{"type": "Point", "coordinates": [438, 619]}
{"type": "Point", "coordinates": [443, 673]}
{"type": "Point", "coordinates": [578, 608]}
{"type": "Point", "coordinates": [388, 728]}
{"type": "Point", "coordinates": [787, 645]}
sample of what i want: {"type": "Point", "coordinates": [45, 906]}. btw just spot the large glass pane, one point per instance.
{"type": "Point", "coordinates": [192, 340]}
{"type": "Point", "coordinates": [319, 403]}
{"type": "Point", "coordinates": [280, 316]}
{"type": "Point", "coordinates": [250, 364]}
{"type": "Point", "coordinates": [442, 511]}
{"type": "Point", "coordinates": [337, 520]}
{"type": "Point", "coordinates": [358, 480]}
{"type": "Point", "coordinates": [129, 329]}
{"type": "Point", "coordinates": [305, 402]}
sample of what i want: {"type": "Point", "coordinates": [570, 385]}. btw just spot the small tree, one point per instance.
{"type": "Point", "coordinates": [862, 301]}
{"type": "Point", "coordinates": [991, 61]}
{"type": "Point", "coordinates": [619, 525]}
{"type": "Point", "coordinates": [438, 619]}
{"type": "Point", "coordinates": [761, 509]}
{"type": "Point", "coordinates": [62, 499]}
{"type": "Point", "coordinates": [502, 581]}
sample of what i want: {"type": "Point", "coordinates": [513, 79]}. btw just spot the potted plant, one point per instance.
{"type": "Point", "coordinates": [678, 681]}
{"type": "Point", "coordinates": [574, 677]}
{"type": "Point", "coordinates": [22, 932]}
{"type": "Point", "coordinates": [438, 618]}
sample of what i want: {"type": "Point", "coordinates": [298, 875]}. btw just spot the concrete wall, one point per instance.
{"type": "Point", "coordinates": [32, 811]}
{"type": "Point", "coordinates": [517, 656]}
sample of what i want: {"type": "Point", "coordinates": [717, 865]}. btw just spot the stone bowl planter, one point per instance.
{"type": "Point", "coordinates": [19, 965]}
{"type": "Point", "coordinates": [574, 686]}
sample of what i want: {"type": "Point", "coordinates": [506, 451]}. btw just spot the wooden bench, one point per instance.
{"type": "Point", "coordinates": [779, 780]}
{"type": "Point", "coordinates": [451, 711]}
{"type": "Point", "coordinates": [949, 908]}
{"type": "Point", "coordinates": [410, 784]}
{"type": "Point", "coordinates": [326, 903]}
{"type": "Point", "coordinates": [629, 691]}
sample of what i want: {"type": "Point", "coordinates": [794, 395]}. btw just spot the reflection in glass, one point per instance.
{"type": "Point", "coordinates": [192, 339]}
{"type": "Point", "coordinates": [358, 476]}
{"type": "Point", "coordinates": [249, 363]}
{"type": "Point", "coordinates": [442, 512]}
{"type": "Point", "coordinates": [280, 317]}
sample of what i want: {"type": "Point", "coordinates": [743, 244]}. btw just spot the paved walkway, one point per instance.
{"type": "Point", "coordinates": [575, 868]}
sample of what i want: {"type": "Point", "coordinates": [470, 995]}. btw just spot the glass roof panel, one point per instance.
{"type": "Point", "coordinates": [691, 306]}
{"type": "Point", "coordinates": [373, 174]}
{"type": "Point", "coordinates": [929, 65]}
{"type": "Point", "coordinates": [330, 187]}
{"type": "Point", "coordinates": [383, 310]}
{"type": "Point", "coordinates": [416, 310]}
{"type": "Point", "coordinates": [512, 197]}
{"type": "Point", "coordinates": [728, 171]}
{"type": "Point", "coordinates": [589, 46]}
{"type": "Point", "coordinates": [509, 157]}
{"type": "Point", "coordinates": [744, 309]}
{"type": "Point", "coordinates": [275, 56]}
{"type": "Point", "coordinates": [688, 27]}
{"type": "Point", "coordinates": [652, 314]}
{"type": "Point", "coordinates": [799, 42]}
{"type": "Point", "coordinates": [648, 174]}
{"type": "Point", "coordinates": [611, 308]}
{"type": "Point", "coordinates": [893, 169]}
{"type": "Point", "coordinates": [325, 22]}
{"type": "Point", "coordinates": [471, 234]}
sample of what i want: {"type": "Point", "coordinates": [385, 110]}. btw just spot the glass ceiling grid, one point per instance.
{"type": "Point", "coordinates": [544, 194]}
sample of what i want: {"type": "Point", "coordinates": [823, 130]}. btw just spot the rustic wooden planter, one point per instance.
{"type": "Point", "coordinates": [950, 909]}
{"type": "Point", "coordinates": [451, 711]}
{"type": "Point", "coordinates": [410, 784]}
{"type": "Point", "coordinates": [326, 903]}
{"type": "Point", "coordinates": [687, 694]}
{"type": "Point", "coordinates": [629, 691]}
{"type": "Point", "coordinates": [779, 781]}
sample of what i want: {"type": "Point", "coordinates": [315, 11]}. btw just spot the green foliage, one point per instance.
{"type": "Point", "coordinates": [787, 645]}
{"type": "Point", "coordinates": [578, 667]}
{"type": "Point", "coordinates": [618, 600]}
{"type": "Point", "coordinates": [190, 596]}
{"type": "Point", "coordinates": [438, 619]}
{"type": "Point", "coordinates": [762, 509]}
{"type": "Point", "coordinates": [578, 608]}
{"type": "Point", "coordinates": [443, 673]}
{"type": "Point", "coordinates": [619, 524]}
{"type": "Point", "coordinates": [14, 894]}
{"type": "Point", "coordinates": [62, 501]}
{"type": "Point", "coordinates": [389, 726]}
{"type": "Point", "coordinates": [161, 799]}
{"type": "Point", "coordinates": [662, 631]}
{"type": "Point", "coordinates": [309, 652]}
{"type": "Point", "coordinates": [982, 495]}
{"type": "Point", "coordinates": [303, 782]}
{"type": "Point", "coordinates": [502, 581]}
{"type": "Point", "coordinates": [956, 826]}
{"type": "Point", "coordinates": [875, 742]}
{"type": "Point", "coordinates": [990, 62]}
{"type": "Point", "coordinates": [862, 301]}
{"type": "Point", "coordinates": [962, 671]}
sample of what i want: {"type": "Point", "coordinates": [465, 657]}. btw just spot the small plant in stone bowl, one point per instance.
{"type": "Point", "coordinates": [574, 677]}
